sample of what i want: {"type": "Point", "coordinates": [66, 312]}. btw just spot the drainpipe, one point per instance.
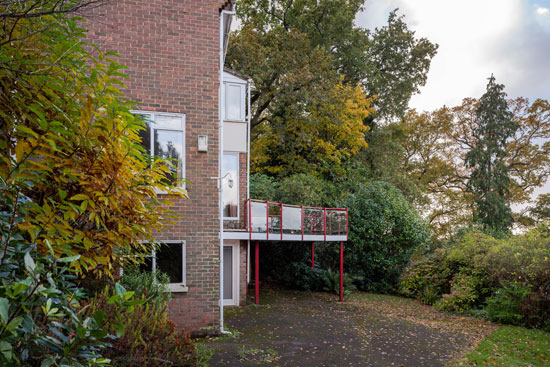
{"type": "Point", "coordinates": [249, 86]}
{"type": "Point", "coordinates": [221, 110]}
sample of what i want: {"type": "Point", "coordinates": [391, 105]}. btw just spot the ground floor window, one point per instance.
{"type": "Point", "coordinates": [169, 258]}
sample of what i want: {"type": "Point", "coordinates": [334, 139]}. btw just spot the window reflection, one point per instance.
{"type": "Point", "coordinates": [230, 185]}
{"type": "Point", "coordinates": [168, 145]}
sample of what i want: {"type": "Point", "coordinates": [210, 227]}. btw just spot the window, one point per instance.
{"type": "Point", "coordinates": [170, 259]}
{"type": "Point", "coordinates": [230, 185]}
{"type": "Point", "coordinates": [165, 138]}
{"type": "Point", "coordinates": [234, 102]}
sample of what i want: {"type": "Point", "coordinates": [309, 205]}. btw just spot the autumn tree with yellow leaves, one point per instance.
{"type": "Point", "coordinates": [69, 144]}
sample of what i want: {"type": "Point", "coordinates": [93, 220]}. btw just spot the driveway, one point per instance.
{"type": "Point", "coordinates": [314, 329]}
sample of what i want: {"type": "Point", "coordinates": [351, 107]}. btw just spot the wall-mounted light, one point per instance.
{"type": "Point", "coordinates": [203, 143]}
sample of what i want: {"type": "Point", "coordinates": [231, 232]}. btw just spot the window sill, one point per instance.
{"type": "Point", "coordinates": [178, 288]}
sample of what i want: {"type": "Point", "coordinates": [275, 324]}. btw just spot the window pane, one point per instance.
{"type": "Point", "coordinates": [146, 265]}
{"type": "Point", "coordinates": [145, 135]}
{"type": "Point", "coordinates": [168, 122]}
{"type": "Point", "coordinates": [169, 261]}
{"type": "Point", "coordinates": [233, 102]}
{"type": "Point", "coordinates": [169, 145]}
{"type": "Point", "coordinates": [230, 185]}
{"type": "Point", "coordinates": [227, 272]}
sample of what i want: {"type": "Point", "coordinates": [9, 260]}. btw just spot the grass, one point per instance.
{"type": "Point", "coordinates": [511, 346]}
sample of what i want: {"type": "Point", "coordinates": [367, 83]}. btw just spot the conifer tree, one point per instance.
{"type": "Point", "coordinates": [489, 181]}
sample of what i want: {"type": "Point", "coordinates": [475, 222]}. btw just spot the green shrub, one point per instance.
{"type": "Point", "coordinates": [510, 275]}
{"type": "Point", "coordinates": [146, 336]}
{"type": "Point", "coordinates": [307, 278]}
{"type": "Point", "coordinates": [332, 282]}
{"type": "Point", "coordinates": [426, 279]}
{"type": "Point", "coordinates": [384, 232]}
{"type": "Point", "coordinates": [147, 285]}
{"type": "Point", "coordinates": [505, 305]}
{"type": "Point", "coordinates": [40, 303]}
{"type": "Point", "coordinates": [263, 187]}
{"type": "Point", "coordinates": [466, 292]}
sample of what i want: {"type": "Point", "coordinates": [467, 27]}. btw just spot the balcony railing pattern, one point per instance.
{"type": "Point", "coordinates": [283, 219]}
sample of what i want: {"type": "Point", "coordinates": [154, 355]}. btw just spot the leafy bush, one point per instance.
{"type": "Point", "coordinates": [426, 279]}
{"type": "Point", "coordinates": [150, 286]}
{"type": "Point", "coordinates": [466, 290]}
{"type": "Point", "coordinates": [384, 232]}
{"type": "Point", "coordinates": [40, 322]}
{"type": "Point", "coordinates": [332, 282]}
{"type": "Point", "coordinates": [70, 143]}
{"type": "Point", "coordinates": [145, 335]}
{"type": "Point", "coordinates": [505, 305]}
{"type": "Point", "coordinates": [263, 187]}
{"type": "Point", "coordinates": [307, 278]}
{"type": "Point", "coordinates": [511, 275]}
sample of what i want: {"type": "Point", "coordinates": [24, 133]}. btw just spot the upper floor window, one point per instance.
{"type": "Point", "coordinates": [235, 101]}
{"type": "Point", "coordinates": [230, 185]}
{"type": "Point", "coordinates": [164, 137]}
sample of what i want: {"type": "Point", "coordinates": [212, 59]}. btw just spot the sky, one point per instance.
{"type": "Point", "coordinates": [477, 38]}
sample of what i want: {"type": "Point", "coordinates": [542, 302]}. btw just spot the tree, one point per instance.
{"type": "Point", "coordinates": [489, 181]}
{"type": "Point", "coordinates": [307, 58]}
{"type": "Point", "coordinates": [398, 65]}
{"type": "Point", "coordinates": [318, 139]}
{"type": "Point", "coordinates": [69, 143]}
{"type": "Point", "coordinates": [384, 232]}
{"type": "Point", "coordinates": [435, 146]}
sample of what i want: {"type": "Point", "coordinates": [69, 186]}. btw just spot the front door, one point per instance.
{"type": "Point", "coordinates": [231, 273]}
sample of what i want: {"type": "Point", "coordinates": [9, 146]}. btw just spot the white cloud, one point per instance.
{"type": "Point", "coordinates": [467, 32]}
{"type": "Point", "coordinates": [476, 38]}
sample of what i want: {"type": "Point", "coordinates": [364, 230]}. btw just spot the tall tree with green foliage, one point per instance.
{"type": "Point", "coordinates": [489, 181]}
{"type": "Point", "coordinates": [317, 76]}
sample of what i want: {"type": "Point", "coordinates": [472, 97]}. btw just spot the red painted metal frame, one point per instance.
{"type": "Point", "coordinates": [257, 274]}
{"type": "Point", "coordinates": [317, 218]}
{"type": "Point", "coordinates": [302, 219]}
{"type": "Point", "coordinates": [342, 271]}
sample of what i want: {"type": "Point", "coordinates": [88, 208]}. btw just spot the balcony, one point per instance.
{"type": "Point", "coordinates": [269, 221]}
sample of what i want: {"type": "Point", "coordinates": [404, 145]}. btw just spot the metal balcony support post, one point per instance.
{"type": "Point", "coordinates": [257, 274]}
{"type": "Point", "coordinates": [281, 221]}
{"type": "Point", "coordinates": [267, 220]}
{"type": "Point", "coordinates": [325, 223]}
{"type": "Point", "coordinates": [313, 255]}
{"type": "Point", "coordinates": [341, 270]}
{"type": "Point", "coordinates": [302, 219]}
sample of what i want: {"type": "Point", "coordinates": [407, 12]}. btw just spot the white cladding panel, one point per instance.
{"type": "Point", "coordinates": [234, 136]}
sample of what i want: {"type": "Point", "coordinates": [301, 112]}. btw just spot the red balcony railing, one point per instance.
{"type": "Point", "coordinates": [283, 219]}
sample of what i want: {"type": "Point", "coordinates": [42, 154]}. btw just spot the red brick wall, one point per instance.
{"type": "Point", "coordinates": [171, 50]}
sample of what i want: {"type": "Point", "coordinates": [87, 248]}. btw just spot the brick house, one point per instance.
{"type": "Point", "coordinates": [174, 51]}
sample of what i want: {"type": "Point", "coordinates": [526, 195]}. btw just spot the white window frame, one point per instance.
{"type": "Point", "coordinates": [236, 184]}
{"type": "Point", "coordinates": [242, 93]}
{"type": "Point", "coordinates": [173, 287]}
{"type": "Point", "coordinates": [153, 115]}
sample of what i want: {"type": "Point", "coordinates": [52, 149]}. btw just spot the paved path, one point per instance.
{"type": "Point", "coordinates": [312, 329]}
